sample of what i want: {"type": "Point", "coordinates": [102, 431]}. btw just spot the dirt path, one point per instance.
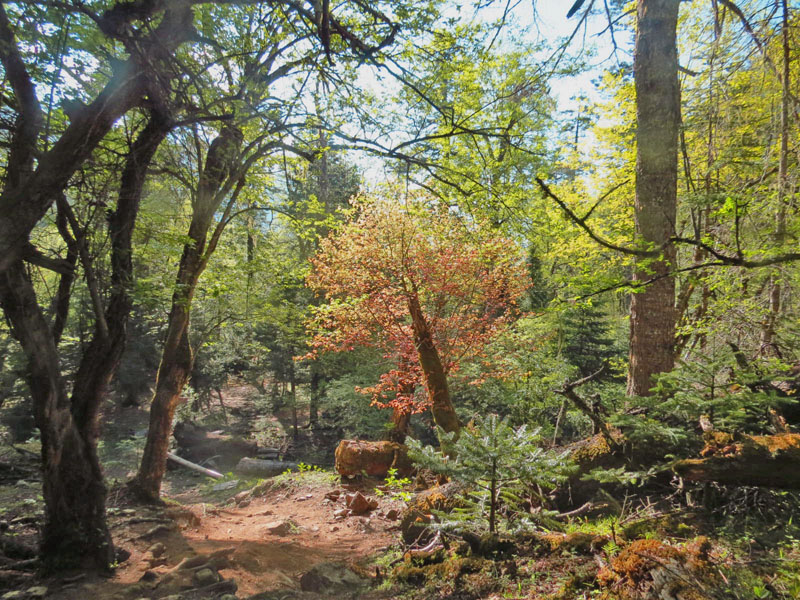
{"type": "Point", "coordinates": [305, 533]}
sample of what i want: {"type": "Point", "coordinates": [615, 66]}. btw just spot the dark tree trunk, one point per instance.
{"type": "Point", "coordinates": [444, 415]}
{"type": "Point", "coordinates": [652, 334]}
{"type": "Point", "coordinates": [74, 490]}
{"type": "Point", "coordinates": [176, 357]}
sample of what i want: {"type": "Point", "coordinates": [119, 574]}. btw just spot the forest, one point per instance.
{"type": "Point", "coordinates": [399, 299]}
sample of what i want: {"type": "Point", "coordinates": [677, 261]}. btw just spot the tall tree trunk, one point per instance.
{"type": "Point", "coordinates": [444, 415]}
{"type": "Point", "coordinates": [769, 346]}
{"type": "Point", "coordinates": [74, 490]}
{"type": "Point", "coordinates": [652, 334]}
{"type": "Point", "coordinates": [75, 531]}
{"type": "Point", "coordinates": [176, 358]}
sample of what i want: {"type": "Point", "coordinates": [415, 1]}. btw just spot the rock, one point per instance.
{"type": "Point", "coordinates": [342, 513]}
{"type": "Point", "coordinates": [281, 528]}
{"type": "Point", "coordinates": [356, 457]}
{"type": "Point", "coordinates": [243, 504]}
{"type": "Point", "coordinates": [205, 577]}
{"type": "Point", "coordinates": [121, 554]}
{"type": "Point", "coordinates": [330, 577]}
{"type": "Point", "coordinates": [359, 504]}
{"type": "Point", "coordinates": [149, 576]}
{"type": "Point", "coordinates": [333, 495]}
{"type": "Point", "coordinates": [241, 496]}
{"type": "Point", "coordinates": [225, 485]}
{"type": "Point", "coordinates": [157, 549]}
{"type": "Point", "coordinates": [157, 530]}
{"type": "Point", "coordinates": [392, 514]}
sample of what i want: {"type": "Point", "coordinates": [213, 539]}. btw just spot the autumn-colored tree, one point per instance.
{"type": "Point", "coordinates": [425, 286]}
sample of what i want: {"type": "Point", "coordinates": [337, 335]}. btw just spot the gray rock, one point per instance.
{"type": "Point", "coordinates": [330, 577]}
{"type": "Point", "coordinates": [157, 549]}
{"type": "Point", "coordinates": [225, 485]}
{"type": "Point", "coordinates": [205, 577]}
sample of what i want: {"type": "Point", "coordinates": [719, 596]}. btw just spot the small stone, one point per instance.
{"type": "Point", "coordinates": [342, 513]}
{"type": "Point", "coordinates": [333, 495]}
{"type": "Point", "coordinates": [334, 528]}
{"type": "Point", "coordinates": [157, 530]}
{"type": "Point", "coordinates": [205, 577]}
{"type": "Point", "coordinates": [392, 514]}
{"type": "Point", "coordinates": [36, 592]}
{"type": "Point", "coordinates": [359, 504]}
{"type": "Point", "coordinates": [157, 549]}
{"type": "Point", "coordinates": [244, 504]}
{"type": "Point", "coordinates": [225, 485]}
{"type": "Point", "coordinates": [241, 496]}
{"type": "Point", "coordinates": [281, 527]}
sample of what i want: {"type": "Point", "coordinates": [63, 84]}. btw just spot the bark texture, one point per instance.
{"type": "Point", "coordinates": [177, 358]}
{"type": "Point", "coordinates": [652, 334]}
{"type": "Point", "coordinates": [762, 460]}
{"type": "Point", "coordinates": [74, 490]}
{"type": "Point", "coordinates": [444, 415]}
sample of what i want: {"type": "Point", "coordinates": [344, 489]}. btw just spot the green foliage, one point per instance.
{"type": "Point", "coordinates": [501, 463]}
{"type": "Point", "coordinates": [395, 487]}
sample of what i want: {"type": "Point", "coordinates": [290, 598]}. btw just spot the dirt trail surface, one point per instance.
{"type": "Point", "coordinates": [265, 543]}
{"type": "Point", "coordinates": [231, 539]}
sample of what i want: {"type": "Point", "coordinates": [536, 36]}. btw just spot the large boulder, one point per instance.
{"type": "Point", "coordinates": [357, 457]}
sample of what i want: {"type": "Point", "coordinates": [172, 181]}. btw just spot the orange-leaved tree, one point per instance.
{"type": "Point", "coordinates": [427, 287]}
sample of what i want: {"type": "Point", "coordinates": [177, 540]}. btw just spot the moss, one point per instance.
{"type": "Point", "coordinates": [578, 541]}
{"type": "Point", "coordinates": [650, 568]}
{"type": "Point", "coordinates": [452, 569]}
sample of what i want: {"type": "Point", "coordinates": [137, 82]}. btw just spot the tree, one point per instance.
{"type": "Point", "coordinates": [501, 462]}
{"type": "Point", "coordinates": [426, 287]}
{"type": "Point", "coordinates": [655, 72]}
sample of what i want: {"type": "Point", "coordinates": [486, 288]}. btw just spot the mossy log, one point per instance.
{"type": "Point", "coordinates": [759, 460]}
{"type": "Point", "coordinates": [357, 457]}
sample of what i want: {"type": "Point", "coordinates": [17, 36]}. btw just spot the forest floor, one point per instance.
{"type": "Point", "coordinates": [288, 537]}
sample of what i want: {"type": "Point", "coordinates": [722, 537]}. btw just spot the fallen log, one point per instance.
{"type": "Point", "coordinates": [190, 465]}
{"type": "Point", "coordinates": [258, 467]}
{"type": "Point", "coordinates": [758, 460]}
